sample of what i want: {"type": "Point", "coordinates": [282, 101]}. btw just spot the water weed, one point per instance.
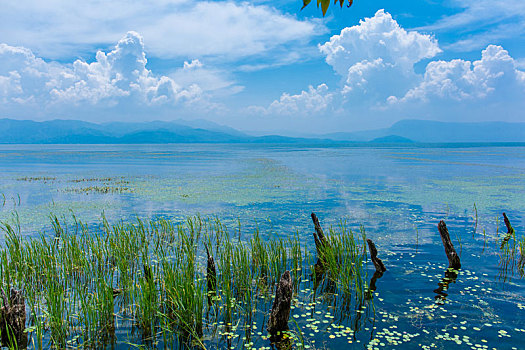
{"type": "Point", "coordinates": [84, 282]}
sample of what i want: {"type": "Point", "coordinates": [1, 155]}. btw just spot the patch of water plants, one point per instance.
{"type": "Point", "coordinates": [149, 284]}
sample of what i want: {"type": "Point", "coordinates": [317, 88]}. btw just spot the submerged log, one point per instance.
{"type": "Point", "coordinates": [453, 258]}
{"type": "Point", "coordinates": [13, 319]}
{"type": "Point", "coordinates": [380, 267]}
{"type": "Point", "coordinates": [278, 320]}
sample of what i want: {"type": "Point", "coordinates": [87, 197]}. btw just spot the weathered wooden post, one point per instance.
{"type": "Point", "coordinates": [380, 267]}
{"type": "Point", "coordinates": [278, 320]}
{"type": "Point", "coordinates": [13, 319]}
{"type": "Point", "coordinates": [211, 277]}
{"type": "Point", "coordinates": [320, 246]}
{"type": "Point", "coordinates": [453, 258]}
{"type": "Point", "coordinates": [510, 230]}
{"type": "Point", "coordinates": [319, 237]}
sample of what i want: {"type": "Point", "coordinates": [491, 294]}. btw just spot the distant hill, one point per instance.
{"type": "Point", "coordinates": [79, 132]}
{"type": "Point", "coordinates": [426, 131]}
{"type": "Point", "coordinates": [202, 131]}
{"type": "Point", "coordinates": [392, 139]}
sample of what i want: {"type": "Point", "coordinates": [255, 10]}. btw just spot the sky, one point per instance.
{"type": "Point", "coordinates": [263, 66]}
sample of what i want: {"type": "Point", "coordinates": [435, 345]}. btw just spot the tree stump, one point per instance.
{"type": "Point", "coordinates": [211, 277]}
{"type": "Point", "coordinates": [380, 267]}
{"type": "Point", "coordinates": [278, 320]}
{"type": "Point", "coordinates": [510, 231]}
{"type": "Point", "coordinates": [13, 319]}
{"type": "Point", "coordinates": [319, 237]}
{"type": "Point", "coordinates": [453, 258]}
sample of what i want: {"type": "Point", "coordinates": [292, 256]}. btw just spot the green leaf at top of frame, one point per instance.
{"type": "Point", "coordinates": [324, 5]}
{"type": "Point", "coordinates": [305, 3]}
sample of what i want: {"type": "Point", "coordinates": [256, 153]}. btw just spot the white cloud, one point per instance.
{"type": "Point", "coordinates": [482, 22]}
{"type": "Point", "coordinates": [314, 101]}
{"type": "Point", "coordinates": [377, 57]}
{"type": "Point", "coordinates": [520, 63]}
{"type": "Point", "coordinates": [119, 77]}
{"type": "Point", "coordinates": [171, 28]}
{"type": "Point", "coordinates": [217, 83]}
{"type": "Point", "coordinates": [378, 37]}
{"type": "Point", "coordinates": [480, 13]}
{"type": "Point", "coordinates": [495, 76]}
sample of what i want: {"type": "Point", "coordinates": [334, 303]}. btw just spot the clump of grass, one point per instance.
{"type": "Point", "coordinates": [476, 222]}
{"type": "Point", "coordinates": [36, 178]}
{"type": "Point", "coordinates": [510, 252]}
{"type": "Point", "coordinates": [82, 281]}
{"type": "Point", "coordinates": [99, 189]}
{"type": "Point", "coordinates": [521, 261]}
{"type": "Point", "coordinates": [343, 259]}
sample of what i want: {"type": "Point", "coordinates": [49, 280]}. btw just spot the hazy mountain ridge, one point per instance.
{"type": "Point", "coordinates": [426, 131]}
{"type": "Point", "coordinates": [202, 131]}
{"type": "Point", "coordinates": [79, 132]}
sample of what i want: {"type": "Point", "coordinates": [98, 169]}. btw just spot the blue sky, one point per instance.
{"type": "Point", "coordinates": [263, 66]}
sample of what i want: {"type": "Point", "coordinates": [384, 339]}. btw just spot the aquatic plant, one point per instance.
{"type": "Point", "coordinates": [82, 281]}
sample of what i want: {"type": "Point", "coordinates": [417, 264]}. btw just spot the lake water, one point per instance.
{"type": "Point", "coordinates": [398, 194]}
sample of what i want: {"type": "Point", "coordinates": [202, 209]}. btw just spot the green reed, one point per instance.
{"type": "Point", "coordinates": [80, 281]}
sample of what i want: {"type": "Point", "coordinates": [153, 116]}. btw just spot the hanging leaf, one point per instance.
{"type": "Point", "coordinates": [305, 3]}
{"type": "Point", "coordinates": [326, 3]}
{"type": "Point", "coordinates": [324, 6]}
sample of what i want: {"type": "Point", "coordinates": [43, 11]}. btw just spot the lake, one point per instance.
{"type": "Point", "coordinates": [396, 194]}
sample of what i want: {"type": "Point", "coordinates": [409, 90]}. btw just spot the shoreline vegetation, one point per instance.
{"type": "Point", "coordinates": [81, 281]}
{"type": "Point", "coordinates": [192, 284]}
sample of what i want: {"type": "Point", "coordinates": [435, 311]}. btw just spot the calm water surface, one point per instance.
{"type": "Point", "coordinates": [397, 194]}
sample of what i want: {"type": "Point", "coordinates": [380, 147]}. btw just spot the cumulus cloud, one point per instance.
{"type": "Point", "coordinates": [172, 28]}
{"type": "Point", "coordinates": [377, 57]}
{"type": "Point", "coordinates": [376, 60]}
{"type": "Point", "coordinates": [494, 76]}
{"type": "Point", "coordinates": [114, 78]}
{"type": "Point", "coordinates": [378, 37]}
{"type": "Point", "coordinates": [314, 101]}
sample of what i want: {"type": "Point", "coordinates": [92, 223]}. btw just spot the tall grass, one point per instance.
{"type": "Point", "coordinates": [81, 282]}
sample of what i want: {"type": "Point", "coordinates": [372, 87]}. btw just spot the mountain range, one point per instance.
{"type": "Point", "coordinates": [202, 131]}
{"type": "Point", "coordinates": [427, 131]}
